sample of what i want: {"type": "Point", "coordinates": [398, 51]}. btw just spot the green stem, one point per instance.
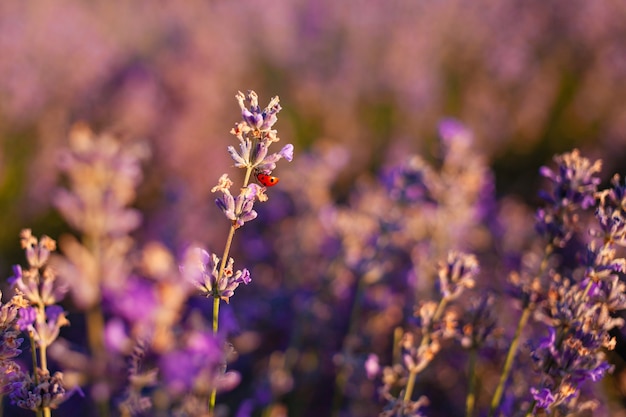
{"type": "Point", "coordinates": [43, 360]}
{"type": "Point", "coordinates": [216, 312]}
{"type": "Point", "coordinates": [410, 385]}
{"type": "Point", "coordinates": [33, 355]}
{"type": "Point", "coordinates": [508, 364]}
{"type": "Point", "coordinates": [95, 322]}
{"type": "Point", "coordinates": [220, 275]}
{"type": "Point", "coordinates": [216, 304]}
{"type": "Point", "coordinates": [470, 401]}
{"type": "Point", "coordinates": [95, 331]}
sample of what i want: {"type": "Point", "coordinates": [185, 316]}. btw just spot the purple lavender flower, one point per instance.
{"type": "Point", "coordinates": [457, 274]}
{"type": "Point", "coordinates": [255, 135]}
{"type": "Point", "coordinates": [37, 252]}
{"type": "Point", "coordinates": [10, 341]}
{"type": "Point", "coordinates": [452, 130]}
{"type": "Point", "coordinates": [135, 302]}
{"type": "Point", "coordinates": [573, 352]}
{"type": "Point", "coordinates": [612, 225]}
{"type": "Point", "coordinates": [575, 181]}
{"type": "Point", "coordinates": [195, 367]}
{"type": "Point", "coordinates": [103, 176]}
{"type": "Point", "coordinates": [615, 195]}
{"type": "Point", "coordinates": [48, 325]}
{"type": "Point", "coordinates": [409, 183]}
{"type": "Point", "coordinates": [574, 186]}
{"type": "Point", "coordinates": [26, 320]}
{"type": "Point", "coordinates": [543, 397]}
{"type": "Point", "coordinates": [401, 408]}
{"type": "Point", "coordinates": [38, 283]}
{"type": "Point", "coordinates": [479, 323]}
{"type": "Point", "coordinates": [238, 209]}
{"type": "Point", "coordinates": [255, 118]}
{"type": "Point", "coordinates": [202, 270]}
{"type": "Point", "coordinates": [35, 394]}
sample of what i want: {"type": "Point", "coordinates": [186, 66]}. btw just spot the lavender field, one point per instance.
{"type": "Point", "coordinates": [313, 208]}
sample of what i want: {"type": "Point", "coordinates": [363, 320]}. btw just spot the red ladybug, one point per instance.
{"type": "Point", "coordinates": [267, 180]}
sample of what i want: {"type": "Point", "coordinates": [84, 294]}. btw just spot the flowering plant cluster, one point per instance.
{"type": "Point", "coordinates": [419, 293]}
{"type": "Point", "coordinates": [577, 302]}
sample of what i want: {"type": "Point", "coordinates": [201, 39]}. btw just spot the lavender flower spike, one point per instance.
{"type": "Point", "coordinates": [202, 270]}
{"type": "Point", "coordinates": [457, 273]}
{"type": "Point", "coordinates": [255, 118]}
{"type": "Point", "coordinates": [238, 209]}
{"type": "Point", "coordinates": [255, 135]}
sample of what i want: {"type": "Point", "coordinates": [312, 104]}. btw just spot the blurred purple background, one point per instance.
{"type": "Point", "coordinates": [362, 84]}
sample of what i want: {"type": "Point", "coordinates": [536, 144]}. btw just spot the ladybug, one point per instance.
{"type": "Point", "coordinates": [267, 180]}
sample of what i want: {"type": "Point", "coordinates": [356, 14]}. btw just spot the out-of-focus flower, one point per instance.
{"type": "Point", "coordinates": [37, 252]}
{"type": "Point", "coordinates": [35, 394]}
{"type": "Point", "coordinates": [543, 397]}
{"type": "Point", "coordinates": [409, 183]}
{"type": "Point", "coordinates": [574, 186]}
{"type": "Point", "coordinates": [197, 366]}
{"type": "Point", "coordinates": [27, 317]}
{"type": "Point", "coordinates": [372, 367]}
{"type": "Point", "coordinates": [103, 175]}
{"type": "Point", "coordinates": [400, 407]}
{"type": "Point", "coordinates": [457, 274]}
{"type": "Point", "coordinates": [575, 181]}
{"type": "Point", "coordinates": [10, 341]}
{"type": "Point", "coordinates": [38, 283]}
{"type": "Point", "coordinates": [479, 323]}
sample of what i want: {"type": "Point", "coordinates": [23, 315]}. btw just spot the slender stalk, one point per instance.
{"type": "Point", "coordinates": [95, 330]}
{"type": "Point", "coordinates": [220, 275]}
{"type": "Point", "coordinates": [508, 363]}
{"type": "Point", "coordinates": [95, 323]}
{"type": "Point", "coordinates": [398, 332]}
{"type": "Point", "coordinates": [410, 385]}
{"type": "Point", "coordinates": [43, 360]}
{"type": "Point", "coordinates": [216, 312]}
{"type": "Point", "coordinates": [470, 401]}
{"type": "Point", "coordinates": [33, 353]}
